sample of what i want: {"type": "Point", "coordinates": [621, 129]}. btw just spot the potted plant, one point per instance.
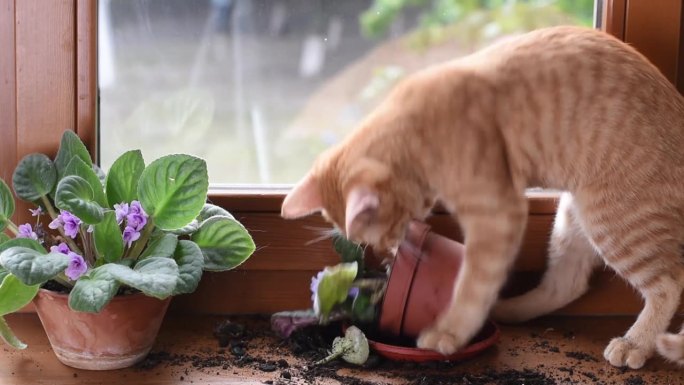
{"type": "Point", "coordinates": [392, 304]}
{"type": "Point", "coordinates": [107, 252]}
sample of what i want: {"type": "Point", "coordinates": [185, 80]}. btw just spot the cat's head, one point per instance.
{"type": "Point", "coordinates": [361, 196]}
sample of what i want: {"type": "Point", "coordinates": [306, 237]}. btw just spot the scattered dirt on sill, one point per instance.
{"type": "Point", "coordinates": [253, 347]}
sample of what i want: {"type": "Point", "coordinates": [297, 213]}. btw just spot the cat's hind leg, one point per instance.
{"type": "Point", "coordinates": [639, 239]}
{"type": "Point", "coordinates": [572, 259]}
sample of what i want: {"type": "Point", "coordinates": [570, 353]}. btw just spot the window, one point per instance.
{"type": "Point", "coordinates": [260, 87]}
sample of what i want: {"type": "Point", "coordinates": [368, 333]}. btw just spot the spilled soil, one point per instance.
{"type": "Point", "coordinates": [249, 344]}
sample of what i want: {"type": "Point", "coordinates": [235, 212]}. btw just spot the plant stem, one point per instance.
{"type": "Point", "coordinates": [62, 279]}
{"type": "Point", "coordinates": [88, 255]}
{"type": "Point", "coordinates": [140, 243]}
{"type": "Point", "coordinates": [333, 356]}
{"type": "Point", "coordinates": [12, 227]}
{"type": "Point", "coordinates": [53, 215]}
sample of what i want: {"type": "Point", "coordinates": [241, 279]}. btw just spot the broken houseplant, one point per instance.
{"type": "Point", "coordinates": [392, 304]}
{"type": "Point", "coordinates": [103, 244]}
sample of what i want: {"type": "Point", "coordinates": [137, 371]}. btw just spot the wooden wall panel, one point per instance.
{"type": "Point", "coordinates": [86, 74]}
{"type": "Point", "coordinates": [8, 106]}
{"type": "Point", "coordinates": [655, 30]}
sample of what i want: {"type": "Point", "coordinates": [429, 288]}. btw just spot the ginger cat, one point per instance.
{"type": "Point", "coordinates": [566, 108]}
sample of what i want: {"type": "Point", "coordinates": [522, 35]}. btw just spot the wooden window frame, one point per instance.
{"type": "Point", "coordinates": [48, 76]}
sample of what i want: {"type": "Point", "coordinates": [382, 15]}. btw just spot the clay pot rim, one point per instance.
{"type": "Point", "coordinates": [118, 297]}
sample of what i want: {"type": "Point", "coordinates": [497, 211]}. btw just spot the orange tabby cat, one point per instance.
{"type": "Point", "coordinates": [565, 108]}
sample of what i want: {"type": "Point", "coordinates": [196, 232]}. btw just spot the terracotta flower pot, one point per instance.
{"type": "Point", "coordinates": [119, 336]}
{"type": "Point", "coordinates": [420, 281]}
{"type": "Point", "coordinates": [418, 289]}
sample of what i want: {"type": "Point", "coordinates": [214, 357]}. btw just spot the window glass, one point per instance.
{"type": "Point", "coordinates": [260, 87]}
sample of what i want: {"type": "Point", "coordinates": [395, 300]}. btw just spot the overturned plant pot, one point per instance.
{"type": "Point", "coordinates": [418, 289]}
{"type": "Point", "coordinates": [119, 336]}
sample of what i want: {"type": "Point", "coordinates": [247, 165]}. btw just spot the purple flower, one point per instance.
{"type": "Point", "coordinates": [26, 231]}
{"type": "Point", "coordinates": [77, 266]}
{"type": "Point", "coordinates": [314, 291]}
{"type": "Point", "coordinates": [130, 235]}
{"type": "Point", "coordinates": [61, 248]}
{"type": "Point", "coordinates": [137, 217]}
{"type": "Point", "coordinates": [354, 292]}
{"type": "Point", "coordinates": [37, 212]}
{"type": "Point", "coordinates": [121, 211]}
{"type": "Point", "coordinates": [68, 221]}
{"type": "Point", "coordinates": [136, 208]}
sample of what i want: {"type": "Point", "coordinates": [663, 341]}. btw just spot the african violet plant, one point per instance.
{"type": "Point", "coordinates": [346, 291]}
{"type": "Point", "coordinates": [146, 228]}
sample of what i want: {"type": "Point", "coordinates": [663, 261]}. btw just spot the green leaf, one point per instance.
{"type": "Point", "coordinates": [210, 210]}
{"type": "Point", "coordinates": [79, 168]}
{"type": "Point", "coordinates": [173, 190]}
{"type": "Point", "coordinates": [4, 238]}
{"type": "Point", "coordinates": [163, 245]}
{"type": "Point", "coordinates": [156, 277]}
{"type": "Point", "coordinates": [348, 250]}
{"type": "Point", "coordinates": [190, 261]}
{"type": "Point", "coordinates": [94, 290]}
{"type": "Point", "coordinates": [23, 242]}
{"type": "Point", "coordinates": [186, 230]}
{"type": "Point", "coordinates": [3, 273]}
{"type": "Point", "coordinates": [6, 204]}
{"type": "Point", "coordinates": [74, 194]}
{"type": "Point", "coordinates": [31, 266]}
{"type": "Point", "coordinates": [224, 242]}
{"type": "Point", "coordinates": [14, 294]}
{"type": "Point", "coordinates": [9, 337]}
{"type": "Point", "coordinates": [108, 239]}
{"type": "Point", "coordinates": [363, 309]}
{"type": "Point", "coordinates": [333, 286]}
{"type": "Point", "coordinates": [34, 177]}
{"type": "Point", "coordinates": [71, 146]}
{"type": "Point", "coordinates": [122, 181]}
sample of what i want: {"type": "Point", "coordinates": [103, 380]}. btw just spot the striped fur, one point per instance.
{"type": "Point", "coordinates": [566, 108]}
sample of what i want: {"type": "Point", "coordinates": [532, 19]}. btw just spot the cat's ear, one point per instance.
{"type": "Point", "coordinates": [304, 199]}
{"type": "Point", "coordinates": [362, 206]}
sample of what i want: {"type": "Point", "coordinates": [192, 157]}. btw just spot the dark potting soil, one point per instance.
{"type": "Point", "coordinates": [59, 288]}
{"type": "Point", "coordinates": [252, 346]}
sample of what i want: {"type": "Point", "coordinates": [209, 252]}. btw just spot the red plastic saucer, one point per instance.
{"type": "Point", "coordinates": [488, 336]}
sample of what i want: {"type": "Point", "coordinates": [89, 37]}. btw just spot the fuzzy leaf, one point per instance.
{"type": "Point", "coordinates": [333, 286]}
{"type": "Point", "coordinates": [74, 194]}
{"type": "Point", "coordinates": [186, 230]}
{"type": "Point", "coordinates": [348, 250]}
{"type": "Point", "coordinates": [122, 181]}
{"type": "Point", "coordinates": [210, 210]}
{"type": "Point", "coordinates": [163, 245]}
{"type": "Point", "coordinates": [23, 242]}
{"type": "Point", "coordinates": [34, 177]}
{"type": "Point", "coordinates": [190, 261]}
{"type": "Point", "coordinates": [33, 267]}
{"type": "Point", "coordinates": [78, 167]}
{"type": "Point", "coordinates": [156, 277]}
{"type": "Point", "coordinates": [4, 238]}
{"type": "Point", "coordinates": [108, 239]}
{"type": "Point", "coordinates": [6, 204]}
{"type": "Point", "coordinates": [224, 242]}
{"type": "Point", "coordinates": [173, 189]}
{"type": "Point", "coordinates": [14, 294]}
{"type": "Point", "coordinates": [93, 290]}
{"type": "Point", "coordinates": [70, 146]}
{"type": "Point", "coordinates": [8, 336]}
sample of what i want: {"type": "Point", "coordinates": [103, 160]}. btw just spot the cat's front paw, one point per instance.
{"type": "Point", "coordinates": [671, 346]}
{"type": "Point", "coordinates": [622, 351]}
{"type": "Point", "coordinates": [443, 340]}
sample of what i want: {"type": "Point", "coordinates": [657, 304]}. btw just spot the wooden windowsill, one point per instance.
{"type": "Point", "coordinates": [541, 346]}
